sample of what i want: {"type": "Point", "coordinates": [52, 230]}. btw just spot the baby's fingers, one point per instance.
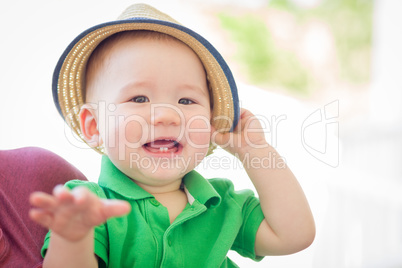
{"type": "Point", "coordinates": [41, 216]}
{"type": "Point", "coordinates": [83, 197]}
{"type": "Point", "coordinates": [63, 194]}
{"type": "Point", "coordinates": [42, 200]}
{"type": "Point", "coordinates": [115, 208]}
{"type": "Point", "coordinates": [97, 210]}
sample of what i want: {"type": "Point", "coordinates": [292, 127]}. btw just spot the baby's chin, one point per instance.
{"type": "Point", "coordinates": [155, 171]}
{"type": "Point", "coordinates": [158, 180]}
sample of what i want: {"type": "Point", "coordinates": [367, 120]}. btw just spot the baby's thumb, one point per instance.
{"type": "Point", "coordinates": [115, 208]}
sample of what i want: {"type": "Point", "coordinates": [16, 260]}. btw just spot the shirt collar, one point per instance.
{"type": "Point", "coordinates": [112, 178]}
{"type": "Point", "coordinates": [195, 185]}
{"type": "Point", "coordinates": [200, 189]}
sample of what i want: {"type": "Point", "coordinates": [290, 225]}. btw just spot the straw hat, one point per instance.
{"type": "Point", "coordinates": [69, 75]}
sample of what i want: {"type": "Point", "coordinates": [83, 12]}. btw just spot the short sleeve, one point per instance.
{"type": "Point", "coordinates": [252, 214]}
{"type": "Point", "coordinates": [100, 234]}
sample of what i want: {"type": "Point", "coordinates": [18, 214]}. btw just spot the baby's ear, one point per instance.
{"type": "Point", "coordinates": [89, 126]}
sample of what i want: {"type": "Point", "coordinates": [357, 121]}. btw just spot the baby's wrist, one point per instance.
{"type": "Point", "coordinates": [73, 238]}
{"type": "Point", "coordinates": [255, 150]}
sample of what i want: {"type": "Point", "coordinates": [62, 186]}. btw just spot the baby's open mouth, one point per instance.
{"type": "Point", "coordinates": [162, 146]}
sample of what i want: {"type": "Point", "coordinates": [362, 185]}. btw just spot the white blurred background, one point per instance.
{"type": "Point", "coordinates": [340, 135]}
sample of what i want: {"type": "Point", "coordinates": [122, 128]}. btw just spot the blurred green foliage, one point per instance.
{"type": "Point", "coordinates": [264, 62]}
{"type": "Point", "coordinates": [349, 20]}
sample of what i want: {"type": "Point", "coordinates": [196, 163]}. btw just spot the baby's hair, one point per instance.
{"type": "Point", "coordinates": [99, 57]}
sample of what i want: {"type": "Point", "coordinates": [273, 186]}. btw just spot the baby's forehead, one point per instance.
{"type": "Point", "coordinates": [112, 42]}
{"type": "Point", "coordinates": [102, 55]}
{"type": "Point", "coordinates": [103, 51]}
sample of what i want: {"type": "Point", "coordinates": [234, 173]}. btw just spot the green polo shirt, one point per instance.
{"type": "Point", "coordinates": [215, 220]}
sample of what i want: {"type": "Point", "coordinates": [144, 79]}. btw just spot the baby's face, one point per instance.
{"type": "Point", "coordinates": [153, 109]}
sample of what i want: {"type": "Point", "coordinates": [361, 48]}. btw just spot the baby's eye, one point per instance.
{"type": "Point", "coordinates": [140, 99]}
{"type": "Point", "coordinates": [186, 101]}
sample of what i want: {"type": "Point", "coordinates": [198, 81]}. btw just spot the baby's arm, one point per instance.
{"type": "Point", "coordinates": [289, 225]}
{"type": "Point", "coordinates": [72, 216]}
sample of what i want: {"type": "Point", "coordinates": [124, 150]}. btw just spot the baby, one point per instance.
{"type": "Point", "coordinates": [154, 98]}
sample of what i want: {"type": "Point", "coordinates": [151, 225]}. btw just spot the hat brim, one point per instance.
{"type": "Point", "coordinates": [69, 75]}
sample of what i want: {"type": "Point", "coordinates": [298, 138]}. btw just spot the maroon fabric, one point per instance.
{"type": "Point", "coordinates": [23, 171]}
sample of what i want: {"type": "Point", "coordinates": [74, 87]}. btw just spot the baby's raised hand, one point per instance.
{"type": "Point", "coordinates": [73, 214]}
{"type": "Point", "coordinates": [246, 137]}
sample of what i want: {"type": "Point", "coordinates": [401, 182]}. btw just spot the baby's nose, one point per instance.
{"type": "Point", "coordinates": [166, 114]}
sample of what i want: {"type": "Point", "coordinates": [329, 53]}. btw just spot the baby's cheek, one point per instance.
{"type": "Point", "coordinates": [198, 133]}
{"type": "Point", "coordinates": [133, 131]}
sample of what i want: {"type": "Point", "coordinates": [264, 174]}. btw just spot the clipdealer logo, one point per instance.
{"type": "Point", "coordinates": [319, 131]}
{"type": "Point", "coordinates": [320, 134]}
